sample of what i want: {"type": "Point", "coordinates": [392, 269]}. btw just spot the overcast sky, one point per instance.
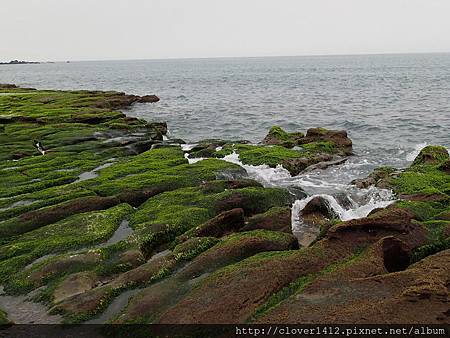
{"type": "Point", "coordinates": [144, 29]}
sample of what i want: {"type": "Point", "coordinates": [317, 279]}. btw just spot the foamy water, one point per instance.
{"type": "Point", "coordinates": [327, 184]}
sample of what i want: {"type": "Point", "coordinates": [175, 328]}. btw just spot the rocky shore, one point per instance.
{"type": "Point", "coordinates": [103, 219]}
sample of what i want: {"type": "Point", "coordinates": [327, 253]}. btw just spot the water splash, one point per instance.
{"type": "Point", "coordinates": [193, 160]}
{"type": "Point", "coordinates": [267, 176]}
{"type": "Point", "coordinates": [417, 149]}
{"type": "Point", "coordinates": [328, 184]}
{"type": "Point", "coordinates": [361, 203]}
{"type": "Point", "coordinates": [370, 199]}
{"type": "Point", "coordinates": [187, 146]}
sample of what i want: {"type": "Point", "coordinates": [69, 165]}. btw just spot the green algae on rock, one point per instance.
{"type": "Point", "coordinates": [209, 245]}
{"type": "Point", "coordinates": [277, 136]}
{"type": "Point", "coordinates": [162, 218]}
{"type": "Point", "coordinates": [293, 151]}
{"type": "Point", "coordinates": [424, 190]}
{"type": "Point", "coordinates": [73, 232]}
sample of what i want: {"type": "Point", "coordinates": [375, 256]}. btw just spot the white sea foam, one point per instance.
{"type": "Point", "coordinates": [188, 146]}
{"type": "Point", "coordinates": [360, 201]}
{"type": "Point", "coordinates": [366, 201]}
{"type": "Point", "coordinates": [192, 160]}
{"type": "Point", "coordinates": [267, 176]}
{"type": "Point", "coordinates": [413, 154]}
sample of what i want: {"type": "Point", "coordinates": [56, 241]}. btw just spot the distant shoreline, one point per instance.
{"type": "Point", "coordinates": [17, 62]}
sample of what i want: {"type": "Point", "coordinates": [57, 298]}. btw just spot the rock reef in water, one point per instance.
{"type": "Point", "coordinates": [208, 245]}
{"type": "Point", "coordinates": [295, 152]}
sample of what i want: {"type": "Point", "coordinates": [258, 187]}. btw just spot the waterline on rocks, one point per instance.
{"type": "Point", "coordinates": [362, 201]}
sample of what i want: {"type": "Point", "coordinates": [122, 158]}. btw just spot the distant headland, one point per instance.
{"type": "Point", "coordinates": [19, 62]}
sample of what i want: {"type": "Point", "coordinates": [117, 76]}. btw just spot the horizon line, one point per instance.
{"type": "Point", "coordinates": [234, 57]}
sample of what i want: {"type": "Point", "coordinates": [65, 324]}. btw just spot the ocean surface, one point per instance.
{"type": "Point", "coordinates": [391, 105]}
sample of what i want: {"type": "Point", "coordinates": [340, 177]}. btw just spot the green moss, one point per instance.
{"type": "Point", "coordinates": [423, 211]}
{"type": "Point", "coordinates": [444, 215]}
{"type": "Point", "coordinates": [193, 247]}
{"type": "Point", "coordinates": [169, 177]}
{"type": "Point", "coordinates": [438, 240]}
{"type": "Point", "coordinates": [72, 233]}
{"type": "Point", "coordinates": [269, 155]}
{"type": "Point", "coordinates": [319, 147]}
{"type": "Point", "coordinates": [421, 179]}
{"type": "Point", "coordinates": [430, 249]}
{"type": "Point", "coordinates": [431, 155]}
{"type": "Point", "coordinates": [436, 229]}
{"type": "Point", "coordinates": [172, 213]}
{"type": "Point", "coordinates": [274, 236]}
{"type": "Point", "coordinates": [253, 261]}
{"type": "Point", "coordinates": [279, 133]}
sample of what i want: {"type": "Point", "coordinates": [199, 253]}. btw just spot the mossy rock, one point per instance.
{"type": "Point", "coordinates": [421, 179]}
{"type": "Point", "coordinates": [229, 250]}
{"type": "Point", "coordinates": [432, 155]}
{"type": "Point", "coordinates": [275, 219]}
{"type": "Point", "coordinates": [35, 219]}
{"type": "Point", "coordinates": [193, 247]}
{"type": "Point", "coordinates": [72, 233]}
{"type": "Point", "coordinates": [277, 136]}
{"type": "Point", "coordinates": [168, 215]}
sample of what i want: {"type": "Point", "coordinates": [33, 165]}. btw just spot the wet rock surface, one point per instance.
{"type": "Point", "coordinates": [319, 149]}
{"type": "Point", "coordinates": [159, 233]}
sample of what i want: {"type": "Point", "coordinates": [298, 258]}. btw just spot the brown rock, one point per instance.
{"type": "Point", "coordinates": [444, 216]}
{"type": "Point", "coordinates": [416, 295]}
{"type": "Point", "coordinates": [136, 197]}
{"type": "Point", "coordinates": [396, 254]}
{"type": "Point", "coordinates": [7, 86]}
{"type": "Point", "coordinates": [395, 219]}
{"type": "Point", "coordinates": [148, 99]}
{"type": "Point", "coordinates": [38, 218]}
{"type": "Point", "coordinates": [132, 257]}
{"type": "Point", "coordinates": [423, 197]}
{"type": "Point", "coordinates": [20, 155]}
{"type": "Point", "coordinates": [156, 299]}
{"type": "Point", "coordinates": [74, 285]}
{"type": "Point", "coordinates": [275, 219]}
{"type": "Point", "coordinates": [296, 166]}
{"type": "Point", "coordinates": [445, 167]}
{"type": "Point", "coordinates": [225, 222]}
{"type": "Point", "coordinates": [233, 294]}
{"type": "Point", "coordinates": [94, 299]}
{"type": "Point", "coordinates": [317, 212]}
{"type": "Point", "coordinates": [338, 137]}
{"type": "Point", "coordinates": [61, 265]}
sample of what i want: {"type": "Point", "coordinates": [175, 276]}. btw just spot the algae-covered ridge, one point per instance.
{"type": "Point", "coordinates": [94, 204]}
{"type": "Point", "coordinates": [73, 168]}
{"type": "Point", "coordinates": [295, 152]}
